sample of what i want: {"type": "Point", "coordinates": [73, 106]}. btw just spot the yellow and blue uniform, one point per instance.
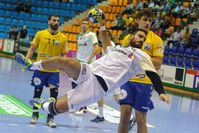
{"type": "Point", "coordinates": [48, 45]}
{"type": "Point", "coordinates": [139, 88]}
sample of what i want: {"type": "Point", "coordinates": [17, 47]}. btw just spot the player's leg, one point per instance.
{"type": "Point", "coordinates": [142, 105]}
{"type": "Point", "coordinates": [38, 81]}
{"type": "Point", "coordinates": [141, 121]}
{"type": "Point", "coordinates": [117, 94]}
{"type": "Point", "coordinates": [100, 116]}
{"type": "Point", "coordinates": [127, 101]}
{"type": "Point", "coordinates": [85, 93]}
{"type": "Point", "coordinates": [125, 116]}
{"type": "Point", "coordinates": [52, 106]}
{"type": "Point", "coordinates": [70, 66]}
{"type": "Point", "coordinates": [35, 113]}
{"type": "Point", "coordinates": [53, 81]}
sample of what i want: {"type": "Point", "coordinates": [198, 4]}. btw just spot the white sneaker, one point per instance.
{"type": "Point", "coordinates": [34, 119]}
{"type": "Point", "coordinates": [51, 123]}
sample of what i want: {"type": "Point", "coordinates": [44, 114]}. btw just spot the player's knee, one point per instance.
{"type": "Point", "coordinates": [141, 122]}
{"type": "Point", "coordinates": [141, 119]}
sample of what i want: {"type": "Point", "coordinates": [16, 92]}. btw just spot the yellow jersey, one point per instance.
{"type": "Point", "coordinates": [49, 45]}
{"type": "Point", "coordinates": [153, 46]}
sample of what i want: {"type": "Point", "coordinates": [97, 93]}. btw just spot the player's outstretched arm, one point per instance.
{"type": "Point", "coordinates": [157, 84]}
{"type": "Point", "coordinates": [105, 39]}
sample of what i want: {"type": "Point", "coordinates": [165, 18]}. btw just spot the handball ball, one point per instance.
{"type": "Point", "coordinates": [95, 14]}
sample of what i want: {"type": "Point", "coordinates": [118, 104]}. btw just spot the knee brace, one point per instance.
{"type": "Point", "coordinates": [52, 108]}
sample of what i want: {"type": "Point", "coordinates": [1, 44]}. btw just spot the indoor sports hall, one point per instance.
{"type": "Point", "coordinates": [179, 71]}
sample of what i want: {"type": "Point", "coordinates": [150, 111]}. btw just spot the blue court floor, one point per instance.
{"type": "Point", "coordinates": [181, 116]}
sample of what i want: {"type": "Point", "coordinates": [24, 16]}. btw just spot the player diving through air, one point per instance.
{"type": "Point", "coordinates": [97, 79]}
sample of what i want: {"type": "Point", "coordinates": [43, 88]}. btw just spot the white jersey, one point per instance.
{"type": "Point", "coordinates": [120, 64]}
{"type": "Point", "coordinates": [85, 43]}
{"type": "Point", "coordinates": [109, 48]}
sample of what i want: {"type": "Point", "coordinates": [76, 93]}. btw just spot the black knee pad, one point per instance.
{"type": "Point", "coordinates": [54, 92]}
{"type": "Point", "coordinates": [37, 92]}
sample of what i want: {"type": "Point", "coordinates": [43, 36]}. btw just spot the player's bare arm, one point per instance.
{"type": "Point", "coordinates": [157, 61]}
{"type": "Point", "coordinates": [30, 51]}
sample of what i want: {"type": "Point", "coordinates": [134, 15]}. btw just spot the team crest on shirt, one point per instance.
{"type": "Point", "coordinates": [147, 47]}
{"type": "Point", "coordinates": [57, 43]}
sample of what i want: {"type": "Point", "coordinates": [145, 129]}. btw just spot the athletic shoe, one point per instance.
{"type": "Point", "coordinates": [21, 59]}
{"type": "Point", "coordinates": [82, 110]}
{"type": "Point", "coordinates": [51, 122]}
{"type": "Point", "coordinates": [132, 123]}
{"type": "Point", "coordinates": [98, 119]}
{"type": "Point", "coordinates": [34, 119]}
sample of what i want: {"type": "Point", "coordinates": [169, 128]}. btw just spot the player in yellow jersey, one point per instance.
{"type": "Point", "coordinates": [136, 93]}
{"type": "Point", "coordinates": [49, 43]}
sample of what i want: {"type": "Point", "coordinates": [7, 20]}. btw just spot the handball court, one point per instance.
{"type": "Point", "coordinates": [180, 116]}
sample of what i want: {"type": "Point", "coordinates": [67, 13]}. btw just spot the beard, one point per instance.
{"type": "Point", "coordinates": [54, 27]}
{"type": "Point", "coordinates": [136, 45]}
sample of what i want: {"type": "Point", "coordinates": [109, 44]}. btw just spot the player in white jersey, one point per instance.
{"type": "Point", "coordinates": [87, 44]}
{"type": "Point", "coordinates": [105, 50]}
{"type": "Point", "coordinates": [96, 80]}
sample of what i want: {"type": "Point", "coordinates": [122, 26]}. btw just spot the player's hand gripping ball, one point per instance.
{"type": "Point", "coordinates": [95, 14]}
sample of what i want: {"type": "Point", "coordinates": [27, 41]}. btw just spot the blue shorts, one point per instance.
{"type": "Point", "coordinates": [41, 79]}
{"type": "Point", "coordinates": [137, 95]}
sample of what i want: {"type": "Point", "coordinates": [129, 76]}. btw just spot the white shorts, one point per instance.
{"type": "Point", "coordinates": [88, 90]}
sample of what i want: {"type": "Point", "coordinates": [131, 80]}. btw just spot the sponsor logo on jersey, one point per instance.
{"type": "Point", "coordinates": [57, 43]}
{"type": "Point", "coordinates": [42, 55]}
{"type": "Point", "coordinates": [147, 46]}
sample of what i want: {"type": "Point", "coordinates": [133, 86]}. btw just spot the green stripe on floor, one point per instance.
{"type": "Point", "coordinates": [10, 105]}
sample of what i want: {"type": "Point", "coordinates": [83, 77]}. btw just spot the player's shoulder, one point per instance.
{"type": "Point", "coordinates": [154, 37]}
{"type": "Point", "coordinates": [61, 34]}
{"type": "Point", "coordinates": [42, 31]}
{"type": "Point", "coordinates": [91, 33]}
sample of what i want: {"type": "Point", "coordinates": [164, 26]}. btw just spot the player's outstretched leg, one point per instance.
{"type": "Point", "coordinates": [52, 106]}
{"type": "Point", "coordinates": [70, 66]}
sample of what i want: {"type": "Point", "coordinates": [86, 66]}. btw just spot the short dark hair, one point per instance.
{"type": "Point", "coordinates": [134, 31]}
{"type": "Point", "coordinates": [50, 16]}
{"type": "Point", "coordinates": [145, 12]}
